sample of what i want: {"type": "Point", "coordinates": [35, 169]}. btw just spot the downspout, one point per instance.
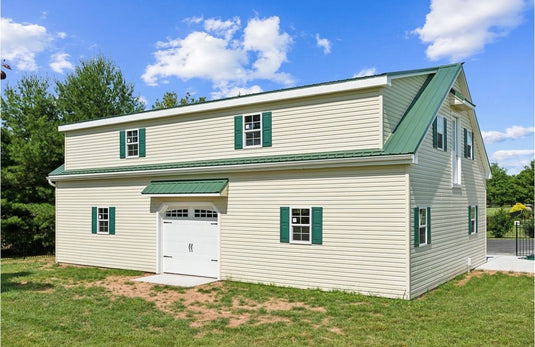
{"type": "Point", "coordinates": [50, 182]}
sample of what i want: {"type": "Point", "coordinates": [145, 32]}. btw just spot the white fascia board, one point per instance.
{"type": "Point", "coordinates": [403, 159]}
{"type": "Point", "coordinates": [361, 83]}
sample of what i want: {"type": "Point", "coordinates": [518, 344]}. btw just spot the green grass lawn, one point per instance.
{"type": "Point", "coordinates": [45, 304]}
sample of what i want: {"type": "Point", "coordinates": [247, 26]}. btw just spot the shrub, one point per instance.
{"type": "Point", "coordinates": [529, 227]}
{"type": "Point", "coordinates": [500, 224]}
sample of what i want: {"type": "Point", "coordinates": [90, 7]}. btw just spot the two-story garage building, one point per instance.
{"type": "Point", "coordinates": [374, 185]}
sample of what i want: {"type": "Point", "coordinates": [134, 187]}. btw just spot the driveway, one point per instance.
{"type": "Point", "coordinates": [501, 246]}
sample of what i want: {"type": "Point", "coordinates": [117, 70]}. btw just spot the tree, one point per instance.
{"type": "Point", "coordinates": [499, 187]}
{"type": "Point", "coordinates": [170, 99]}
{"type": "Point", "coordinates": [95, 89]}
{"type": "Point", "coordinates": [31, 148]}
{"type": "Point", "coordinates": [523, 185]}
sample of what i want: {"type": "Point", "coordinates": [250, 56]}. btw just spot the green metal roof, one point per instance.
{"type": "Point", "coordinates": [60, 171]}
{"type": "Point", "coordinates": [405, 139]}
{"type": "Point", "coordinates": [183, 187]}
{"type": "Point", "coordinates": [412, 128]}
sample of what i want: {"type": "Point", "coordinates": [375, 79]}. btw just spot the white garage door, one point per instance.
{"type": "Point", "coordinates": [191, 242]}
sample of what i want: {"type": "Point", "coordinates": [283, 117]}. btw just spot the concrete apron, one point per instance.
{"type": "Point", "coordinates": [508, 263]}
{"type": "Point", "coordinates": [176, 280]}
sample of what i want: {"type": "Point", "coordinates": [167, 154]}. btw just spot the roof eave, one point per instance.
{"type": "Point", "coordinates": [399, 159]}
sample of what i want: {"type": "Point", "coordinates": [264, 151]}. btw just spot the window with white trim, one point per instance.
{"type": "Point", "coordinates": [472, 219]}
{"type": "Point", "coordinates": [422, 222]}
{"type": "Point", "coordinates": [300, 225]}
{"type": "Point", "coordinates": [469, 145]}
{"type": "Point", "coordinates": [132, 143]}
{"type": "Point", "coordinates": [440, 132]}
{"type": "Point", "coordinates": [252, 130]}
{"type": "Point", "coordinates": [103, 220]}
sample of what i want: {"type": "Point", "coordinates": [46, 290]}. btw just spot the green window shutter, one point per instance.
{"type": "Point", "coordinates": [122, 145]}
{"type": "Point", "coordinates": [445, 134]}
{"type": "Point", "coordinates": [93, 220]}
{"type": "Point", "coordinates": [465, 143]}
{"type": "Point", "coordinates": [429, 225]}
{"type": "Point", "coordinates": [111, 218]}
{"type": "Point", "coordinates": [238, 132]}
{"type": "Point", "coordinates": [317, 225]}
{"type": "Point", "coordinates": [435, 136]}
{"type": "Point", "coordinates": [416, 227]}
{"type": "Point", "coordinates": [266, 129]}
{"type": "Point", "coordinates": [141, 134]}
{"type": "Point", "coordinates": [285, 224]}
{"type": "Point", "coordinates": [469, 220]}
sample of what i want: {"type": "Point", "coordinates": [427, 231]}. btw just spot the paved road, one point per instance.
{"type": "Point", "coordinates": [501, 246]}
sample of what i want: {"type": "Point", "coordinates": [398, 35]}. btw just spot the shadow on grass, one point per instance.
{"type": "Point", "coordinates": [10, 283]}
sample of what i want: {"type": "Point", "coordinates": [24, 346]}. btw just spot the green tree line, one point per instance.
{"type": "Point", "coordinates": [504, 189]}
{"type": "Point", "coordinates": [31, 146]}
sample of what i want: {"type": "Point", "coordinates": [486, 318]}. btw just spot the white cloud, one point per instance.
{"type": "Point", "coordinates": [512, 154]}
{"type": "Point", "coordinates": [227, 91]}
{"type": "Point", "coordinates": [21, 42]}
{"type": "Point", "coordinates": [457, 29]}
{"type": "Point", "coordinates": [365, 72]}
{"type": "Point", "coordinates": [61, 35]}
{"type": "Point", "coordinates": [512, 133]}
{"type": "Point", "coordinates": [323, 43]}
{"type": "Point", "coordinates": [143, 100]}
{"type": "Point", "coordinates": [221, 28]}
{"type": "Point", "coordinates": [193, 20]}
{"type": "Point", "coordinates": [218, 54]}
{"type": "Point", "coordinates": [513, 160]}
{"type": "Point", "coordinates": [60, 62]}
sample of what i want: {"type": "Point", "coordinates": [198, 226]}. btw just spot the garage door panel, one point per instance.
{"type": "Point", "coordinates": [191, 246]}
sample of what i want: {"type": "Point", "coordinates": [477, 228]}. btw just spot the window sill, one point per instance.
{"type": "Point", "coordinates": [456, 186]}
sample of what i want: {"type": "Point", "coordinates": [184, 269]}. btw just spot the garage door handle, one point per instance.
{"type": "Point", "coordinates": [190, 247]}
{"type": "Point", "coordinates": [167, 222]}
{"type": "Point", "coordinates": [213, 259]}
{"type": "Point", "coordinates": [168, 256]}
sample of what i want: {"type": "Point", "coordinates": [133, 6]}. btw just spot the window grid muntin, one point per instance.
{"type": "Point", "coordinates": [202, 213]}
{"type": "Point", "coordinates": [252, 129]}
{"type": "Point", "coordinates": [103, 216]}
{"type": "Point", "coordinates": [132, 143]}
{"type": "Point", "coordinates": [177, 213]}
{"type": "Point", "coordinates": [300, 221]}
{"type": "Point", "coordinates": [422, 216]}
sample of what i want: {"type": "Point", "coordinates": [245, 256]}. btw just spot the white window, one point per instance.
{"type": "Point", "coordinates": [422, 230]}
{"type": "Point", "coordinates": [177, 213]}
{"type": "Point", "coordinates": [473, 219]}
{"type": "Point", "coordinates": [103, 216]}
{"type": "Point", "coordinates": [300, 225]}
{"type": "Point", "coordinates": [252, 130]}
{"type": "Point", "coordinates": [440, 132]}
{"type": "Point", "coordinates": [132, 143]}
{"type": "Point", "coordinates": [469, 145]}
{"type": "Point", "coordinates": [456, 151]}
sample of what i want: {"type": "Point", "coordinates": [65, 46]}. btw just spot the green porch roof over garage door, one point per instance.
{"type": "Point", "coordinates": [207, 187]}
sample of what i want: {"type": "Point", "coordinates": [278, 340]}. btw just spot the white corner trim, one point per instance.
{"type": "Point", "coordinates": [354, 84]}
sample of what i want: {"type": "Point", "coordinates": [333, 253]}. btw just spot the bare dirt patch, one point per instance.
{"type": "Point", "coordinates": [202, 304]}
{"type": "Point", "coordinates": [479, 273]}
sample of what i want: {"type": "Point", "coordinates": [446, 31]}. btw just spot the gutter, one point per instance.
{"type": "Point", "coordinates": [403, 159]}
{"type": "Point", "coordinates": [50, 182]}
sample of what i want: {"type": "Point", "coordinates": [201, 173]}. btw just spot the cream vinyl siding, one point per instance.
{"type": "Point", "coordinates": [134, 244]}
{"type": "Point", "coordinates": [431, 185]}
{"type": "Point", "coordinates": [364, 230]}
{"type": "Point", "coordinates": [348, 121]}
{"type": "Point", "coordinates": [397, 98]}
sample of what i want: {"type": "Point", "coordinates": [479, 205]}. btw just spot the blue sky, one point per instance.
{"type": "Point", "coordinates": [221, 48]}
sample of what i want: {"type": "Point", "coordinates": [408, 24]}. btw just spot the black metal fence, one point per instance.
{"type": "Point", "coordinates": [524, 237]}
